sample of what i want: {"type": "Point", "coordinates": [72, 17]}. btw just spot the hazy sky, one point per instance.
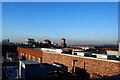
{"type": "Point", "coordinates": [78, 22]}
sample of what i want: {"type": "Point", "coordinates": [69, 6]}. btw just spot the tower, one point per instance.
{"type": "Point", "coordinates": [119, 51]}
{"type": "Point", "coordinates": [63, 44]}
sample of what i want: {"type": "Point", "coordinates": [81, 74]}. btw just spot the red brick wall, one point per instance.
{"type": "Point", "coordinates": [91, 65]}
{"type": "Point", "coordinates": [101, 67]}
{"type": "Point", "coordinates": [36, 54]}
{"type": "Point", "coordinates": [63, 42]}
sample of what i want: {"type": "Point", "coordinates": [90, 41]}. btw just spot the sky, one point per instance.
{"type": "Point", "coordinates": [77, 22]}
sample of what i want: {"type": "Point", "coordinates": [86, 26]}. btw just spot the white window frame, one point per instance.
{"type": "Point", "coordinates": [39, 60]}
{"type": "Point", "coordinates": [28, 57]}
{"type": "Point", "coordinates": [33, 58]}
{"type": "Point", "coordinates": [21, 54]}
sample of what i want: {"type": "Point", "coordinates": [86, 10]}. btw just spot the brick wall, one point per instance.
{"type": "Point", "coordinates": [91, 66]}
{"type": "Point", "coordinates": [36, 54]}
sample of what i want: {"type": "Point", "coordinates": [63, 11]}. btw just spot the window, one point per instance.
{"type": "Point", "coordinates": [33, 58]}
{"type": "Point", "coordinates": [39, 60]}
{"type": "Point", "coordinates": [29, 57]}
{"type": "Point", "coordinates": [21, 54]}
{"type": "Point", "coordinates": [26, 55]}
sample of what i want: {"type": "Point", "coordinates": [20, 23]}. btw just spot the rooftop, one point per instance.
{"type": "Point", "coordinates": [77, 55]}
{"type": "Point", "coordinates": [36, 49]}
{"type": "Point", "coordinates": [29, 62]}
{"type": "Point", "coordinates": [11, 72]}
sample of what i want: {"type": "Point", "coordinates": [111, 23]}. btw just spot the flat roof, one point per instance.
{"type": "Point", "coordinates": [11, 72]}
{"type": "Point", "coordinates": [37, 49]}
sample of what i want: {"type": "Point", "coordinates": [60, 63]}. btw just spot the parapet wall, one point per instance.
{"type": "Point", "coordinates": [91, 65]}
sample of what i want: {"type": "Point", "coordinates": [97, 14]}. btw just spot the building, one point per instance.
{"type": "Point", "coordinates": [28, 69]}
{"type": "Point", "coordinates": [53, 43]}
{"type": "Point", "coordinates": [10, 56]}
{"type": "Point", "coordinates": [34, 54]}
{"type": "Point", "coordinates": [10, 73]}
{"type": "Point", "coordinates": [47, 41]}
{"type": "Point", "coordinates": [85, 47]}
{"type": "Point", "coordinates": [31, 70]}
{"type": "Point", "coordinates": [63, 44]}
{"type": "Point", "coordinates": [91, 65]}
{"type": "Point", "coordinates": [5, 41]}
{"type": "Point", "coordinates": [119, 51]}
{"type": "Point", "coordinates": [29, 41]}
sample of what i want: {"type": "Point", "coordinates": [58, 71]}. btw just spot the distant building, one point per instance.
{"type": "Point", "coordinates": [63, 44]}
{"type": "Point", "coordinates": [119, 47]}
{"type": "Point", "coordinates": [119, 51]}
{"type": "Point", "coordinates": [53, 43]}
{"type": "Point", "coordinates": [5, 41]}
{"type": "Point", "coordinates": [47, 41]}
{"type": "Point", "coordinates": [38, 42]}
{"type": "Point", "coordinates": [83, 47]}
{"type": "Point", "coordinates": [29, 41]}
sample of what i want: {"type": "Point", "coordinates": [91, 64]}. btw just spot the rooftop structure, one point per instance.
{"type": "Point", "coordinates": [85, 47]}
{"type": "Point", "coordinates": [47, 41]}
{"type": "Point", "coordinates": [111, 52]}
{"type": "Point", "coordinates": [29, 40]}
{"type": "Point", "coordinates": [54, 50]}
{"type": "Point", "coordinates": [33, 70]}
{"type": "Point", "coordinates": [82, 53]}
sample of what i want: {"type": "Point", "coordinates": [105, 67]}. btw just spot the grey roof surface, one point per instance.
{"type": "Point", "coordinates": [29, 62]}
{"type": "Point", "coordinates": [11, 72]}
{"type": "Point", "coordinates": [36, 49]}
